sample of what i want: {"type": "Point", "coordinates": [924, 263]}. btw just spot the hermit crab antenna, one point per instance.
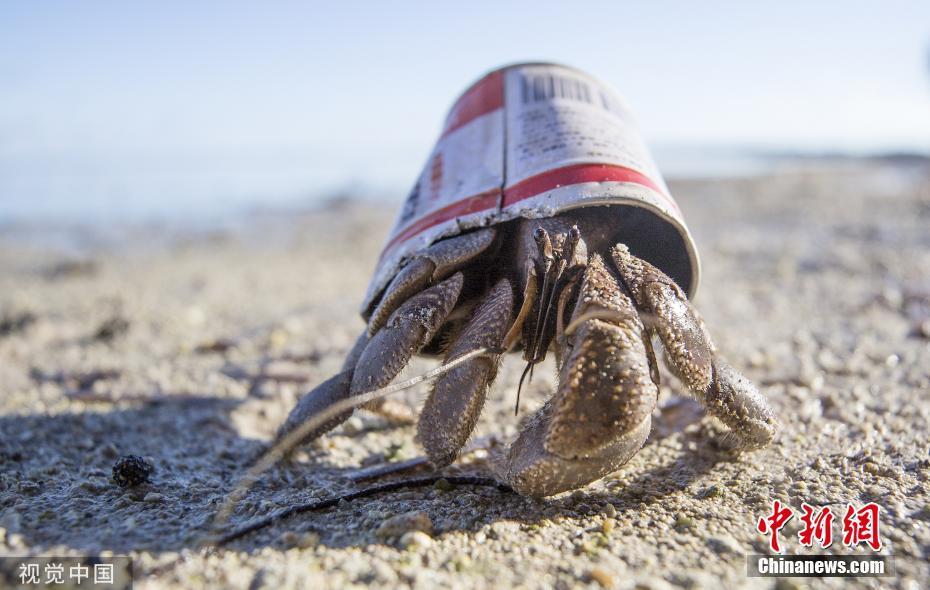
{"type": "Point", "coordinates": [574, 236]}
{"type": "Point", "coordinates": [545, 259]}
{"type": "Point", "coordinates": [552, 286]}
{"type": "Point", "coordinates": [554, 264]}
{"type": "Point", "coordinates": [527, 370]}
{"type": "Point", "coordinates": [544, 248]}
{"type": "Point", "coordinates": [544, 244]}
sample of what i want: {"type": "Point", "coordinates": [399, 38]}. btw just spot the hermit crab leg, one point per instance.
{"type": "Point", "coordinates": [601, 414]}
{"type": "Point", "coordinates": [410, 327]}
{"type": "Point", "coordinates": [322, 396]}
{"type": "Point", "coordinates": [332, 390]}
{"type": "Point", "coordinates": [395, 411]}
{"type": "Point", "coordinates": [691, 355]}
{"type": "Point", "coordinates": [430, 265]}
{"type": "Point", "coordinates": [737, 402]}
{"type": "Point", "coordinates": [381, 363]}
{"type": "Point", "coordinates": [454, 404]}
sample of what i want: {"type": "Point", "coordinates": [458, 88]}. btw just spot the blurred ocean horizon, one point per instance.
{"type": "Point", "coordinates": [209, 189]}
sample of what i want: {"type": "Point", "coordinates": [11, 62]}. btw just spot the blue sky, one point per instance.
{"type": "Point", "coordinates": [302, 96]}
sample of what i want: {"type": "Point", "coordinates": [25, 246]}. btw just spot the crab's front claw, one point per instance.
{"type": "Point", "coordinates": [602, 412]}
{"type": "Point", "coordinates": [532, 470]}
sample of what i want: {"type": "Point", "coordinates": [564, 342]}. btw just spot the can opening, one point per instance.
{"type": "Point", "coordinates": [655, 240]}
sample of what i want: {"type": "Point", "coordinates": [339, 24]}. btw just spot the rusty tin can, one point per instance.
{"type": "Point", "coordinates": [533, 140]}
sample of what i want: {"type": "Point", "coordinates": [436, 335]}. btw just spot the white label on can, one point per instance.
{"type": "Point", "coordinates": [460, 186]}
{"type": "Point", "coordinates": [528, 140]}
{"type": "Point", "coordinates": [559, 117]}
{"type": "Point", "coordinates": [564, 128]}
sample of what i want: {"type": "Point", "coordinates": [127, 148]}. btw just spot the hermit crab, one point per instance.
{"type": "Point", "coordinates": [571, 245]}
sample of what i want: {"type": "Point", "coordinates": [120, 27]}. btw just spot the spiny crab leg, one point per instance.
{"type": "Point", "coordinates": [380, 358]}
{"type": "Point", "coordinates": [451, 410]}
{"type": "Point", "coordinates": [406, 318]}
{"type": "Point", "coordinates": [429, 266]}
{"type": "Point", "coordinates": [691, 354]}
{"type": "Point", "coordinates": [291, 435]}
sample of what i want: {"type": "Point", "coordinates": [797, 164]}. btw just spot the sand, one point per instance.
{"type": "Point", "coordinates": [189, 350]}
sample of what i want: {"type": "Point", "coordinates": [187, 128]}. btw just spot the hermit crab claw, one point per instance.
{"type": "Point", "coordinates": [600, 414]}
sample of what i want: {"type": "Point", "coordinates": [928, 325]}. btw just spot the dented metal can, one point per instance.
{"type": "Point", "coordinates": [535, 140]}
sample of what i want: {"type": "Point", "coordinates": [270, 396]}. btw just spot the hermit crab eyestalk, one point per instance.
{"type": "Point", "coordinates": [574, 234]}
{"type": "Point", "coordinates": [544, 244]}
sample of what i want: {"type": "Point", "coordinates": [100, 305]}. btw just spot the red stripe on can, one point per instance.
{"type": "Point", "coordinates": [531, 187]}
{"type": "Point", "coordinates": [577, 174]}
{"type": "Point", "coordinates": [487, 95]}
{"type": "Point", "coordinates": [473, 204]}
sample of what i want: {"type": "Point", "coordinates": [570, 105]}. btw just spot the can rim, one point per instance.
{"type": "Point", "coordinates": [693, 257]}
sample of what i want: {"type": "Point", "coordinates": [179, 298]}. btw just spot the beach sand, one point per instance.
{"type": "Point", "coordinates": [190, 352]}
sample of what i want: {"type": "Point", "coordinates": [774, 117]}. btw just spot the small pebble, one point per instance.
{"type": "Point", "coordinates": [291, 539]}
{"type": "Point", "coordinates": [786, 584]}
{"type": "Point", "coordinates": [415, 540]}
{"type": "Point", "coordinates": [603, 577]}
{"type": "Point", "coordinates": [724, 544]}
{"type": "Point", "coordinates": [923, 329]}
{"type": "Point", "coordinates": [711, 492]}
{"type": "Point", "coordinates": [354, 425]}
{"type": "Point", "coordinates": [94, 484]}
{"type": "Point", "coordinates": [14, 322]}
{"type": "Point", "coordinates": [153, 498]}
{"type": "Point", "coordinates": [879, 470]}
{"type": "Point", "coordinates": [28, 488]}
{"type": "Point", "coordinates": [396, 526]}
{"type": "Point", "coordinates": [219, 345]}
{"type": "Point", "coordinates": [111, 329]}
{"type": "Point", "coordinates": [132, 470]}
